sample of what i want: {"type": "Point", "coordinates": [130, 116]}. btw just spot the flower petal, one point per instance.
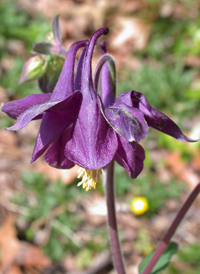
{"type": "Point", "coordinates": [127, 121]}
{"type": "Point", "coordinates": [93, 143]}
{"type": "Point", "coordinates": [55, 121]}
{"type": "Point", "coordinates": [15, 108]}
{"type": "Point", "coordinates": [65, 84]}
{"type": "Point", "coordinates": [87, 86]}
{"type": "Point", "coordinates": [78, 77]}
{"type": "Point", "coordinates": [106, 67]}
{"type": "Point", "coordinates": [153, 116]}
{"type": "Point", "coordinates": [36, 110]}
{"type": "Point", "coordinates": [164, 124]}
{"type": "Point", "coordinates": [30, 114]}
{"type": "Point", "coordinates": [54, 155]}
{"type": "Point", "coordinates": [130, 156]}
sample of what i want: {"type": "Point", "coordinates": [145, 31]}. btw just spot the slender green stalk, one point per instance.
{"type": "Point", "coordinates": [108, 178]}
{"type": "Point", "coordinates": [165, 241]}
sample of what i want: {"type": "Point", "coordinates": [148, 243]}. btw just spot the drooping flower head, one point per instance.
{"type": "Point", "coordinates": [81, 126]}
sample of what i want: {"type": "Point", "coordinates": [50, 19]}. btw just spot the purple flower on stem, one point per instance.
{"type": "Point", "coordinates": [81, 127]}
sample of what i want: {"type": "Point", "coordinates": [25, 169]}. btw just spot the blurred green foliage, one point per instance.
{"type": "Point", "coordinates": [149, 186]}
{"type": "Point", "coordinates": [47, 195]}
{"type": "Point", "coordinates": [163, 85]}
{"type": "Point", "coordinates": [18, 27]}
{"type": "Point", "coordinates": [163, 261]}
{"type": "Point", "coordinates": [16, 24]}
{"type": "Point", "coordinates": [143, 243]}
{"type": "Point", "coordinates": [188, 260]}
{"type": "Point", "coordinates": [174, 36]}
{"type": "Point", "coordinates": [190, 254]}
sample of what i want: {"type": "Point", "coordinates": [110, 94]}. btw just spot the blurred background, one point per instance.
{"type": "Point", "coordinates": [47, 224]}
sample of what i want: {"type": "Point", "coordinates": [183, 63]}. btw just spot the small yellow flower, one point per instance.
{"type": "Point", "coordinates": [139, 205]}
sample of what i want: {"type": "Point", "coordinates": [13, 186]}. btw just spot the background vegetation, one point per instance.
{"type": "Point", "coordinates": [156, 45]}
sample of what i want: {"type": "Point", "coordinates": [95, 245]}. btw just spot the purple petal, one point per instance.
{"type": "Point", "coordinates": [15, 108]}
{"type": "Point", "coordinates": [87, 82]}
{"type": "Point", "coordinates": [70, 104]}
{"type": "Point", "coordinates": [55, 121]}
{"type": "Point", "coordinates": [130, 156]}
{"type": "Point", "coordinates": [78, 77]}
{"type": "Point", "coordinates": [108, 85]}
{"type": "Point", "coordinates": [153, 116]}
{"type": "Point", "coordinates": [65, 84]}
{"type": "Point", "coordinates": [93, 143]}
{"type": "Point", "coordinates": [30, 114]}
{"type": "Point", "coordinates": [127, 121]}
{"type": "Point", "coordinates": [164, 124]}
{"type": "Point", "coordinates": [54, 155]}
{"type": "Point", "coordinates": [103, 47]}
{"type": "Point", "coordinates": [53, 124]}
{"type": "Point", "coordinates": [36, 110]}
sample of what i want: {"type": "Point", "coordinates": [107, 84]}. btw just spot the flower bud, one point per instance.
{"type": "Point", "coordinates": [49, 37]}
{"type": "Point", "coordinates": [49, 49]}
{"type": "Point", "coordinates": [49, 79]}
{"type": "Point", "coordinates": [33, 69]}
{"type": "Point", "coordinates": [53, 41]}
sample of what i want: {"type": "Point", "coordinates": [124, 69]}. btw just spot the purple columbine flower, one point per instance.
{"type": "Point", "coordinates": [81, 127]}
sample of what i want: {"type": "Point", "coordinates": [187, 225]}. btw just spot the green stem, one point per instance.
{"type": "Point", "coordinates": [165, 241]}
{"type": "Point", "coordinates": [108, 178]}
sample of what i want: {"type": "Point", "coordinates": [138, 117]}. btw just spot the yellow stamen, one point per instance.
{"type": "Point", "coordinates": [90, 178]}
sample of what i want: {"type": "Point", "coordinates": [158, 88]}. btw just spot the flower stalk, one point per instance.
{"type": "Point", "coordinates": [108, 180]}
{"type": "Point", "coordinates": [165, 241]}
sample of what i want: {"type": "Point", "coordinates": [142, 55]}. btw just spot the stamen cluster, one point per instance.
{"type": "Point", "coordinates": [90, 178]}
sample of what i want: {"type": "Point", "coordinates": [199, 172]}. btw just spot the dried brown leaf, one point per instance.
{"type": "Point", "coordinates": [16, 252]}
{"type": "Point", "coordinates": [181, 170]}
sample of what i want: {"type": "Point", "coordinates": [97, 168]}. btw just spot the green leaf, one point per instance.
{"type": "Point", "coordinates": [163, 262]}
